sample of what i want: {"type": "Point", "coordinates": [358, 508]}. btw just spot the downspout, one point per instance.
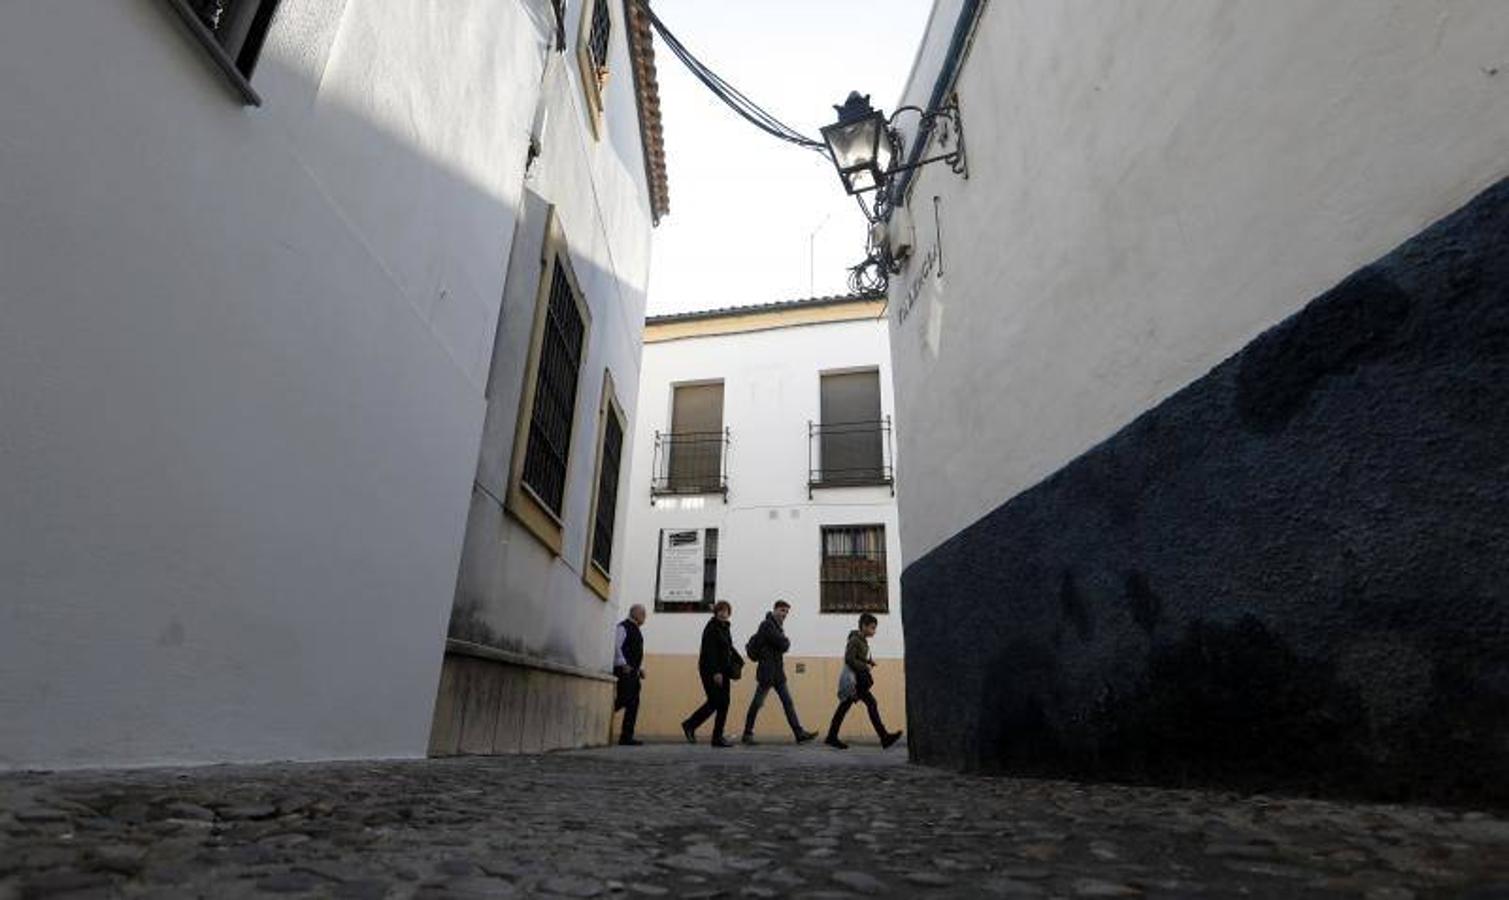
{"type": "Point", "coordinates": [948, 77]}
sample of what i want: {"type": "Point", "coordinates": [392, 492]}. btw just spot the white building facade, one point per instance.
{"type": "Point", "coordinates": [257, 262]}
{"type": "Point", "coordinates": [764, 470]}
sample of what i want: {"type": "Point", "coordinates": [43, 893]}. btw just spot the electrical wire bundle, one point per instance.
{"type": "Point", "coordinates": [870, 276]}
{"type": "Point", "coordinates": [730, 95]}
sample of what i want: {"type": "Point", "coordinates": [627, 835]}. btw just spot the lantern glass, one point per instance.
{"type": "Point", "coordinates": [859, 145]}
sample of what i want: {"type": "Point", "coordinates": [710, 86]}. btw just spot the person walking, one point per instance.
{"type": "Point", "coordinates": [858, 662]}
{"type": "Point", "coordinates": [768, 650]}
{"type": "Point", "coordinates": [717, 664]}
{"type": "Point", "coordinates": [628, 665]}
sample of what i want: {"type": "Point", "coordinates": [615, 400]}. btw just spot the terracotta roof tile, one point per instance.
{"type": "Point", "coordinates": [647, 96]}
{"type": "Point", "coordinates": [757, 308]}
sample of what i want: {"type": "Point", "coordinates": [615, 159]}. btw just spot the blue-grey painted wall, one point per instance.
{"type": "Point", "coordinates": [1292, 574]}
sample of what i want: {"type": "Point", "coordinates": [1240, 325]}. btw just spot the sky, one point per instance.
{"type": "Point", "coordinates": [754, 219]}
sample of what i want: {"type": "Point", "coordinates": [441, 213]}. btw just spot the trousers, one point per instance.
{"type": "Point", "coordinates": [716, 705]}
{"type": "Point", "coordinates": [864, 696]}
{"type": "Point", "coordinates": [759, 700]}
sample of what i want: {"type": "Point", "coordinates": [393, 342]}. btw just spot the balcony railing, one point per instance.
{"type": "Point", "coordinates": [691, 462]}
{"type": "Point", "coordinates": [850, 454]}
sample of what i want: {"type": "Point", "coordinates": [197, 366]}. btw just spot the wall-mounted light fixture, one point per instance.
{"type": "Point", "coordinates": [870, 153]}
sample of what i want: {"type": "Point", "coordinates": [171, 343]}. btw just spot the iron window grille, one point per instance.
{"type": "Point", "coordinates": [599, 33]}
{"type": "Point", "coordinates": [593, 41]}
{"type": "Point", "coordinates": [559, 8]}
{"type": "Point", "coordinates": [709, 580]}
{"type": "Point", "coordinates": [853, 577]}
{"type": "Point", "coordinates": [233, 31]}
{"type": "Point", "coordinates": [550, 420]}
{"type": "Point", "coordinates": [850, 454]}
{"type": "Point", "coordinates": [607, 494]}
{"type": "Point", "coordinates": [691, 462]}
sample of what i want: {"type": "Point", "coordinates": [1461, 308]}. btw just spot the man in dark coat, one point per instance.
{"type": "Point", "coordinates": [628, 665]}
{"type": "Point", "coordinates": [772, 644]}
{"type": "Point", "coordinates": [715, 664]}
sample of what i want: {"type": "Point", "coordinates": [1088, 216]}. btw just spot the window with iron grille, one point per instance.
{"type": "Point", "coordinates": [710, 567]}
{"type": "Point", "coordinates": [554, 408]}
{"type": "Point", "coordinates": [593, 42]}
{"type": "Point", "coordinates": [854, 570]}
{"type": "Point", "coordinates": [601, 29]}
{"type": "Point", "coordinates": [852, 433]}
{"type": "Point", "coordinates": [607, 491]}
{"type": "Point", "coordinates": [234, 32]}
{"type": "Point", "coordinates": [559, 8]}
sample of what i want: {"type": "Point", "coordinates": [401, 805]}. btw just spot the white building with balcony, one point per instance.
{"type": "Point", "coordinates": [764, 469]}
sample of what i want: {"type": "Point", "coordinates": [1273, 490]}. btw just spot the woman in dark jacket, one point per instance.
{"type": "Point", "coordinates": [715, 664]}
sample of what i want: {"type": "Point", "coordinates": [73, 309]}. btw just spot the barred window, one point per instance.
{"type": "Point", "coordinates": [593, 41]}
{"type": "Point", "coordinates": [550, 421]}
{"type": "Point", "coordinates": [597, 40]}
{"type": "Point", "coordinates": [854, 570]}
{"type": "Point", "coordinates": [233, 31]}
{"type": "Point", "coordinates": [710, 567]}
{"type": "Point", "coordinates": [559, 8]}
{"type": "Point", "coordinates": [607, 490]}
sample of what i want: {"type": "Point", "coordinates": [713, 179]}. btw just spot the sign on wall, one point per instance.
{"type": "Point", "coordinates": [681, 565]}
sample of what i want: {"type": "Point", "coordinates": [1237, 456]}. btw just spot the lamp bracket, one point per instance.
{"type": "Point", "coordinates": [948, 124]}
{"type": "Point", "coordinates": [945, 125]}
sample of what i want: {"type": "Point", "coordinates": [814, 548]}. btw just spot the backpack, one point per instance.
{"type": "Point", "coordinates": [752, 647]}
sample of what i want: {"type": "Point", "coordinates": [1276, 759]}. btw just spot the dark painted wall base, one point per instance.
{"type": "Point", "coordinates": [1291, 575]}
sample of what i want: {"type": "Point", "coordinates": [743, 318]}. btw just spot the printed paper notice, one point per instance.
{"type": "Point", "coordinates": [681, 566]}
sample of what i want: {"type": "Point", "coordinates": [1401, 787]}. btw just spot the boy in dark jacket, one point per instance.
{"type": "Point", "coordinates": [772, 643]}
{"type": "Point", "coordinates": [858, 660]}
{"type": "Point", "coordinates": [715, 665]}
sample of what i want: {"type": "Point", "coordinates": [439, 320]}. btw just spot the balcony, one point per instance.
{"type": "Point", "coordinates": [690, 463]}
{"type": "Point", "coordinates": [850, 454]}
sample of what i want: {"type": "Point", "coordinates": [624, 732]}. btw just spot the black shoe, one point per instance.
{"type": "Point", "coordinates": [803, 737]}
{"type": "Point", "coordinates": [835, 743]}
{"type": "Point", "coordinates": [890, 739]}
{"type": "Point", "coordinates": [748, 739]}
{"type": "Point", "coordinates": [691, 733]}
{"type": "Point", "coordinates": [630, 742]}
{"type": "Point", "coordinates": [721, 741]}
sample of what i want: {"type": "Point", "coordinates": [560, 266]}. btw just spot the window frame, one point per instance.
{"type": "Point", "coordinates": [239, 63]}
{"type": "Point", "coordinates": [692, 486]}
{"type": "Point", "coordinates": [594, 74]}
{"type": "Point", "coordinates": [829, 438]}
{"type": "Point", "coordinates": [823, 608]}
{"type": "Point", "coordinates": [522, 500]}
{"type": "Point", "coordinates": [608, 410]}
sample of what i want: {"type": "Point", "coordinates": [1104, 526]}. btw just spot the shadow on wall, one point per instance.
{"type": "Point", "coordinates": [284, 476]}
{"type": "Point", "coordinates": [1288, 576]}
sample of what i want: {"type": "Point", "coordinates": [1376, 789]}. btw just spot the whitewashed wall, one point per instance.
{"type": "Point", "coordinates": [1153, 183]}
{"type": "Point", "coordinates": [242, 354]}
{"type": "Point", "coordinates": [769, 531]}
{"type": "Point", "coordinates": [530, 600]}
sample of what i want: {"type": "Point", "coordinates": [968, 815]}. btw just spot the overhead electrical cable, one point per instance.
{"type": "Point", "coordinates": [864, 278]}
{"type": "Point", "coordinates": [730, 95]}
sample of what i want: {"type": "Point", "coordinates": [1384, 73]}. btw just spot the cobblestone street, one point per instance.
{"type": "Point", "coordinates": [680, 821]}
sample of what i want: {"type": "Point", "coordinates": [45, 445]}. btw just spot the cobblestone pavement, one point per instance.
{"type": "Point", "coordinates": [681, 821]}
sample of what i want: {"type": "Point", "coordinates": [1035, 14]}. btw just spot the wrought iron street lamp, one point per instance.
{"type": "Point", "coordinates": [861, 144]}
{"type": "Point", "coordinates": [865, 145]}
{"type": "Point", "coordinates": [869, 153]}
